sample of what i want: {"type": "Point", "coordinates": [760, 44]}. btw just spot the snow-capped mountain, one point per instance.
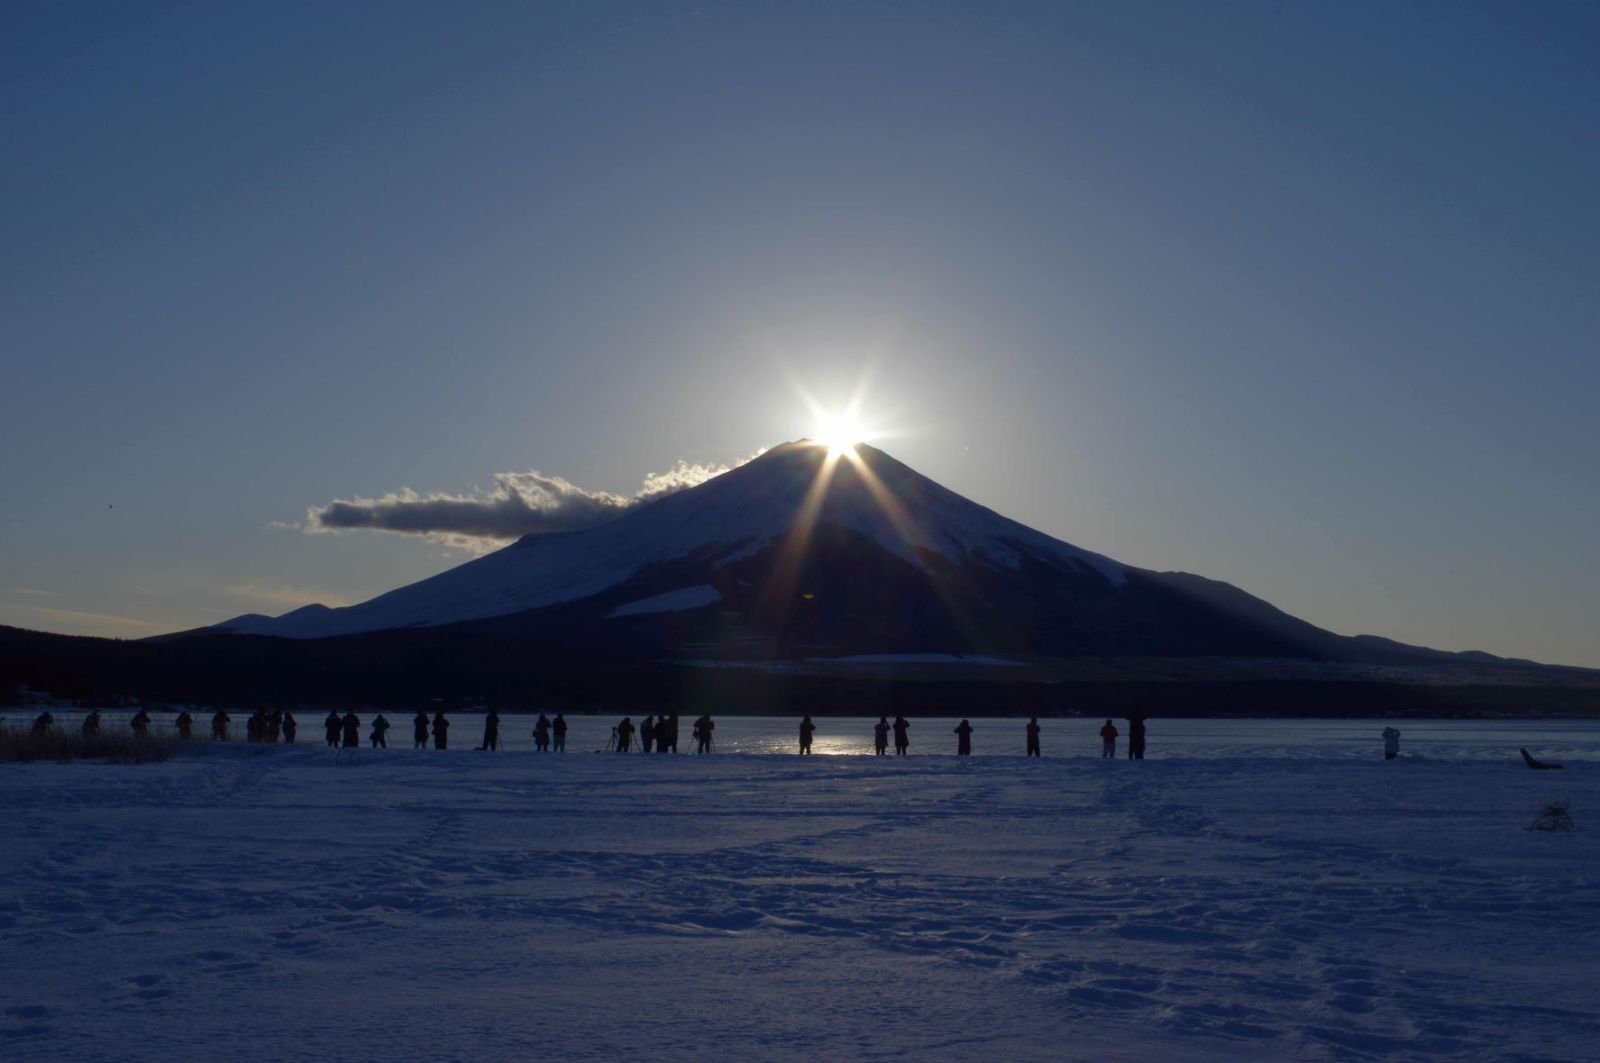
{"type": "Point", "coordinates": [777, 587]}
{"type": "Point", "coordinates": [796, 554]}
{"type": "Point", "coordinates": [731, 517]}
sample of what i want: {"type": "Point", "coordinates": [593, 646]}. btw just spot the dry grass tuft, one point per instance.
{"type": "Point", "coordinates": [118, 747]}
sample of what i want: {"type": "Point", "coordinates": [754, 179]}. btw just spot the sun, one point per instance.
{"type": "Point", "coordinates": [839, 432]}
{"type": "Point", "coordinates": [840, 425]}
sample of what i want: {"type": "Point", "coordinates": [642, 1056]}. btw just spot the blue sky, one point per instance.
{"type": "Point", "coordinates": [1302, 297]}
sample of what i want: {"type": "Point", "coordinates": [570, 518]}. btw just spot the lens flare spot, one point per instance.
{"type": "Point", "coordinates": [839, 432]}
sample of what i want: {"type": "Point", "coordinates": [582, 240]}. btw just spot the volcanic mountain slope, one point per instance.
{"type": "Point", "coordinates": [732, 517]}
{"type": "Point", "coordinates": [798, 552]}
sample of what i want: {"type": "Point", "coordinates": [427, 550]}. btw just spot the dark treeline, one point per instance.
{"type": "Point", "coordinates": [411, 669]}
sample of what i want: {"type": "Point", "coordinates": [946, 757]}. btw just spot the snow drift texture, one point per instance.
{"type": "Point", "coordinates": [292, 905]}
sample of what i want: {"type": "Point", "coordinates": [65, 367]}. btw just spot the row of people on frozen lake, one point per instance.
{"type": "Point", "coordinates": [657, 734]}
{"type": "Point", "coordinates": [963, 732]}
{"type": "Point", "coordinates": [661, 735]}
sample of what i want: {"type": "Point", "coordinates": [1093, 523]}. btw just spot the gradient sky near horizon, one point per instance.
{"type": "Point", "coordinates": [1304, 297]}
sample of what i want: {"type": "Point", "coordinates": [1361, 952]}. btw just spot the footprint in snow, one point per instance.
{"type": "Point", "coordinates": [19, 1031]}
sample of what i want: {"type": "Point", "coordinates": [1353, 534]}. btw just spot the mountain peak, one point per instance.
{"type": "Point", "coordinates": [780, 497]}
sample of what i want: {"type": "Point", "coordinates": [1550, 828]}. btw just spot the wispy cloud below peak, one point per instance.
{"type": "Point", "coordinates": [519, 503]}
{"type": "Point", "coordinates": [78, 620]}
{"type": "Point", "coordinates": [280, 595]}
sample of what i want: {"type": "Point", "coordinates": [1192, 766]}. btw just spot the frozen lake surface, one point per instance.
{"type": "Point", "coordinates": [276, 903]}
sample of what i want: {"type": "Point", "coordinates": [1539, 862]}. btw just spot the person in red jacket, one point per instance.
{"type": "Point", "coordinates": [1108, 738]}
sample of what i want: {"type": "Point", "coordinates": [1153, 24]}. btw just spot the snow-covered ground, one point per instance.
{"type": "Point", "coordinates": [670, 602]}
{"type": "Point", "coordinates": [263, 903]}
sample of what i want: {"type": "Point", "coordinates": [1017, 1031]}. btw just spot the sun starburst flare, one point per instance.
{"type": "Point", "coordinates": [839, 432]}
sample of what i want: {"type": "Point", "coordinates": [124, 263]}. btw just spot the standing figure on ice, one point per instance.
{"type": "Point", "coordinates": [1108, 740]}
{"type": "Point", "coordinates": [541, 733]}
{"type": "Point", "coordinates": [441, 731]}
{"type": "Point", "coordinates": [330, 727]}
{"type": "Point", "coordinates": [1135, 737]}
{"type": "Point", "coordinates": [1391, 743]}
{"type": "Point", "coordinates": [667, 734]}
{"type": "Point", "coordinates": [42, 723]}
{"type": "Point", "coordinates": [647, 734]}
{"type": "Point", "coordinates": [880, 736]}
{"type": "Point", "coordinates": [219, 725]}
{"type": "Point", "coordinates": [807, 729]}
{"type": "Point", "coordinates": [91, 724]}
{"type": "Point", "coordinates": [625, 734]}
{"type": "Point", "coordinates": [702, 733]}
{"type": "Point", "coordinates": [559, 730]}
{"type": "Point", "coordinates": [419, 730]}
{"type": "Point", "coordinates": [963, 733]}
{"type": "Point", "coordinates": [902, 737]}
{"type": "Point", "coordinates": [380, 733]}
{"type": "Point", "coordinates": [274, 725]}
{"type": "Point", "coordinates": [491, 730]}
{"type": "Point", "coordinates": [1033, 736]}
{"type": "Point", "coordinates": [290, 726]}
{"type": "Point", "coordinates": [185, 725]}
{"type": "Point", "coordinates": [352, 729]}
{"type": "Point", "coordinates": [140, 724]}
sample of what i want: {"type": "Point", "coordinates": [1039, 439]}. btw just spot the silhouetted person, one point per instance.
{"type": "Point", "coordinates": [1033, 736]}
{"type": "Point", "coordinates": [807, 729]}
{"type": "Point", "coordinates": [541, 733]}
{"type": "Point", "coordinates": [880, 736]}
{"type": "Point", "coordinates": [331, 726]}
{"type": "Point", "coordinates": [380, 733]}
{"type": "Point", "coordinates": [42, 723]}
{"type": "Point", "coordinates": [1539, 765]}
{"type": "Point", "coordinates": [252, 726]}
{"type": "Point", "coordinates": [219, 725]}
{"type": "Point", "coordinates": [625, 734]}
{"type": "Point", "coordinates": [702, 733]}
{"type": "Point", "coordinates": [667, 734]}
{"type": "Point", "coordinates": [352, 729]}
{"type": "Point", "coordinates": [1108, 740]}
{"type": "Point", "coordinates": [1391, 743]}
{"type": "Point", "coordinates": [140, 724]}
{"type": "Point", "coordinates": [902, 736]}
{"type": "Point", "coordinates": [185, 725]}
{"type": "Point", "coordinates": [647, 734]}
{"type": "Point", "coordinates": [274, 725]}
{"type": "Point", "coordinates": [91, 724]}
{"type": "Point", "coordinates": [441, 731]}
{"type": "Point", "coordinates": [558, 729]}
{"type": "Point", "coordinates": [290, 727]}
{"type": "Point", "coordinates": [963, 733]}
{"type": "Point", "coordinates": [491, 731]}
{"type": "Point", "coordinates": [419, 730]}
{"type": "Point", "coordinates": [1135, 737]}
